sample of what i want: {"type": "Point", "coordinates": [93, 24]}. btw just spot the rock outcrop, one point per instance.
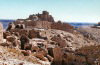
{"type": "Point", "coordinates": [1, 33]}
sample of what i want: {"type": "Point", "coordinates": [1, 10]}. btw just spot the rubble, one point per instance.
{"type": "Point", "coordinates": [40, 40]}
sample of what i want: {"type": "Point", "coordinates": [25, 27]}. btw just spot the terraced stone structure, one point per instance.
{"type": "Point", "coordinates": [43, 21]}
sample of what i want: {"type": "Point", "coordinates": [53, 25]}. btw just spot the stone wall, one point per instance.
{"type": "Point", "coordinates": [61, 26]}
{"type": "Point", "coordinates": [43, 21]}
{"type": "Point", "coordinates": [43, 24]}
{"type": "Point", "coordinates": [35, 24]}
{"type": "Point", "coordinates": [29, 33]}
{"type": "Point", "coordinates": [42, 17]}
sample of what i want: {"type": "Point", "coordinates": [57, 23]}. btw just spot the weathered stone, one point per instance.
{"type": "Point", "coordinates": [57, 56]}
{"type": "Point", "coordinates": [43, 35]}
{"type": "Point", "coordinates": [16, 43]}
{"type": "Point", "coordinates": [27, 46]}
{"type": "Point", "coordinates": [62, 26]}
{"type": "Point", "coordinates": [41, 56]}
{"type": "Point", "coordinates": [16, 34]}
{"type": "Point", "coordinates": [33, 18]}
{"type": "Point", "coordinates": [10, 26]}
{"type": "Point", "coordinates": [42, 17]}
{"type": "Point", "coordinates": [24, 40]}
{"type": "Point", "coordinates": [19, 32]}
{"type": "Point", "coordinates": [43, 51]}
{"type": "Point", "coordinates": [26, 53]}
{"type": "Point", "coordinates": [41, 43]}
{"type": "Point", "coordinates": [10, 38]}
{"type": "Point", "coordinates": [50, 52]}
{"type": "Point", "coordinates": [33, 34]}
{"type": "Point", "coordinates": [49, 58]}
{"type": "Point", "coordinates": [21, 63]}
{"type": "Point", "coordinates": [42, 25]}
{"type": "Point", "coordinates": [35, 49]}
{"type": "Point", "coordinates": [5, 34]}
{"type": "Point", "coordinates": [1, 33]}
{"type": "Point", "coordinates": [59, 40]}
{"type": "Point", "coordinates": [43, 21]}
{"type": "Point", "coordinates": [20, 26]}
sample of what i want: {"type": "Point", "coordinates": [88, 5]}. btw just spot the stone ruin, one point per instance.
{"type": "Point", "coordinates": [41, 21]}
{"type": "Point", "coordinates": [45, 39]}
{"type": "Point", "coordinates": [33, 34]}
{"type": "Point", "coordinates": [42, 17]}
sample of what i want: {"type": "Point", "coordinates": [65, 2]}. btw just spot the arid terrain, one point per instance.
{"type": "Point", "coordinates": [40, 40]}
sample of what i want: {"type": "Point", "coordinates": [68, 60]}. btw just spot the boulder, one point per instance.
{"type": "Point", "coordinates": [34, 48]}
{"type": "Point", "coordinates": [26, 52]}
{"type": "Point", "coordinates": [41, 56]}
{"type": "Point", "coordinates": [49, 58]}
{"type": "Point", "coordinates": [16, 43]}
{"type": "Point", "coordinates": [5, 34]}
{"type": "Point", "coordinates": [59, 40]}
{"type": "Point", "coordinates": [10, 26]}
{"type": "Point", "coordinates": [58, 56]}
{"type": "Point", "coordinates": [16, 34]}
{"type": "Point", "coordinates": [27, 46]}
{"type": "Point", "coordinates": [24, 40]}
{"type": "Point", "coordinates": [33, 34]}
{"type": "Point", "coordinates": [10, 38]}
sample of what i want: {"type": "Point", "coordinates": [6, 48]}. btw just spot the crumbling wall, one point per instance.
{"type": "Point", "coordinates": [43, 24]}
{"type": "Point", "coordinates": [42, 17]}
{"type": "Point", "coordinates": [35, 24]}
{"type": "Point", "coordinates": [44, 21]}
{"type": "Point", "coordinates": [61, 26]}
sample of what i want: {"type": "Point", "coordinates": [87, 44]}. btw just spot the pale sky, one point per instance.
{"type": "Point", "coordinates": [64, 10]}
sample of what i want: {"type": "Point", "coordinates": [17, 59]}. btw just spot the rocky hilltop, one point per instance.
{"type": "Point", "coordinates": [43, 21]}
{"type": "Point", "coordinates": [40, 40]}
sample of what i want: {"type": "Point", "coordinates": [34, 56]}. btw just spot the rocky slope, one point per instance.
{"type": "Point", "coordinates": [92, 33]}
{"type": "Point", "coordinates": [42, 41]}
